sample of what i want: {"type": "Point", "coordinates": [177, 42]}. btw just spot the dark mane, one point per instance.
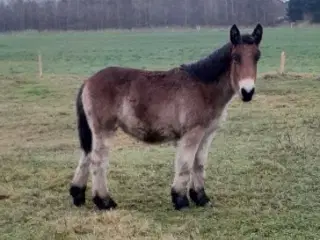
{"type": "Point", "coordinates": [210, 68]}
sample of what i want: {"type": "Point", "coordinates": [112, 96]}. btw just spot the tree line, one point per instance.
{"type": "Point", "coordinates": [304, 10]}
{"type": "Point", "coordinates": [101, 14]}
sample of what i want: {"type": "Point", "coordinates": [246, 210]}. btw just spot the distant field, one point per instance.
{"type": "Point", "coordinates": [263, 172]}
{"type": "Point", "coordinates": [82, 53]}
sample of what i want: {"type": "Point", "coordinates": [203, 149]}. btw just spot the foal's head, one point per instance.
{"type": "Point", "coordinates": [245, 54]}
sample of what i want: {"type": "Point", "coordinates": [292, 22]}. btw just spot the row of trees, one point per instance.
{"type": "Point", "coordinates": [99, 14]}
{"type": "Point", "coordinates": [304, 10]}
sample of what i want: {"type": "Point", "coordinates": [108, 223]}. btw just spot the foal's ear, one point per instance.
{"type": "Point", "coordinates": [235, 35]}
{"type": "Point", "coordinates": [257, 34]}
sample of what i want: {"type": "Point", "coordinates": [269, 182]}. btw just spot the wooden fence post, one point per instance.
{"type": "Point", "coordinates": [282, 62]}
{"type": "Point", "coordinates": [40, 64]}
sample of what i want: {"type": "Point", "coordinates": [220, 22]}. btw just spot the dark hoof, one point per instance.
{"type": "Point", "coordinates": [200, 198]}
{"type": "Point", "coordinates": [78, 194]}
{"type": "Point", "coordinates": [104, 203]}
{"type": "Point", "coordinates": [179, 201]}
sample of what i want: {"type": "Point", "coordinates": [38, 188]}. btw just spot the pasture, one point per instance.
{"type": "Point", "coordinates": [263, 172]}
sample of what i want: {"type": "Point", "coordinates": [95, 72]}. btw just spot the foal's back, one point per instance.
{"type": "Point", "coordinates": [153, 106]}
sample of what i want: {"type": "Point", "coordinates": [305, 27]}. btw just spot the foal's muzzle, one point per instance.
{"type": "Point", "coordinates": [247, 96]}
{"type": "Point", "coordinates": [246, 87]}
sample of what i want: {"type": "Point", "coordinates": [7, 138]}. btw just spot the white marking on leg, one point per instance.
{"type": "Point", "coordinates": [81, 175]}
{"type": "Point", "coordinates": [185, 156]}
{"type": "Point", "coordinates": [198, 170]}
{"type": "Point", "coordinates": [99, 164]}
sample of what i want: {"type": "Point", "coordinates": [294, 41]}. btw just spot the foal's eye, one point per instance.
{"type": "Point", "coordinates": [257, 57]}
{"type": "Point", "coordinates": [236, 58]}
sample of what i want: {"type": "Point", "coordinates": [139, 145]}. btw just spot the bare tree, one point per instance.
{"type": "Point", "coordinates": [99, 14]}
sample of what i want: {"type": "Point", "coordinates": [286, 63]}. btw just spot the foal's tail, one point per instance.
{"type": "Point", "coordinates": [85, 135]}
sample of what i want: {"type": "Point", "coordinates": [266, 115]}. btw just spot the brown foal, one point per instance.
{"type": "Point", "coordinates": [184, 104]}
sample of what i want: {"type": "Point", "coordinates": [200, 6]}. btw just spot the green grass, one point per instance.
{"type": "Point", "coordinates": [83, 53]}
{"type": "Point", "coordinates": [264, 181]}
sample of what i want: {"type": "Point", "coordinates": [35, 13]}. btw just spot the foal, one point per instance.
{"type": "Point", "coordinates": [184, 104]}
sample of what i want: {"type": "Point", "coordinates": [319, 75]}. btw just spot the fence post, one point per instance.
{"type": "Point", "coordinates": [282, 62]}
{"type": "Point", "coordinates": [40, 64]}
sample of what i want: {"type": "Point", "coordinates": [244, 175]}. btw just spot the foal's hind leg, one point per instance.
{"type": "Point", "coordinates": [185, 156]}
{"type": "Point", "coordinates": [99, 163]}
{"type": "Point", "coordinates": [79, 181]}
{"type": "Point", "coordinates": [196, 191]}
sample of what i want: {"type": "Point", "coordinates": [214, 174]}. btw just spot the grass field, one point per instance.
{"type": "Point", "coordinates": [263, 172]}
{"type": "Point", "coordinates": [82, 53]}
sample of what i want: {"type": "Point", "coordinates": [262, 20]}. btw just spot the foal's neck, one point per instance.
{"type": "Point", "coordinates": [212, 68]}
{"type": "Point", "coordinates": [213, 72]}
{"type": "Point", "coordinates": [223, 88]}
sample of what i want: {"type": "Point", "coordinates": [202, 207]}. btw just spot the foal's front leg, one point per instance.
{"type": "Point", "coordinates": [196, 191]}
{"type": "Point", "coordinates": [185, 156]}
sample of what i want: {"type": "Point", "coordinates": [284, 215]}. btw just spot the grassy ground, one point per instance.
{"type": "Point", "coordinates": [82, 53]}
{"type": "Point", "coordinates": [263, 168]}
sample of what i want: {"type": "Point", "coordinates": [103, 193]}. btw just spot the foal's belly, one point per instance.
{"type": "Point", "coordinates": [148, 127]}
{"type": "Point", "coordinates": [150, 134]}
